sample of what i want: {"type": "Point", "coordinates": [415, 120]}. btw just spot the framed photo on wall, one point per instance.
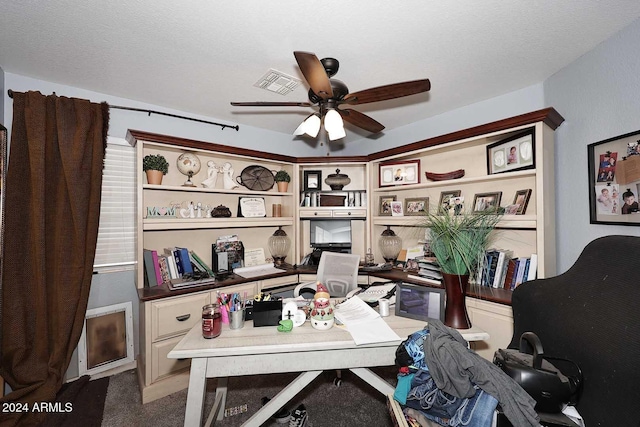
{"type": "Point", "coordinates": [399, 173]}
{"type": "Point", "coordinates": [511, 154]}
{"type": "Point", "coordinates": [614, 180]}
{"type": "Point", "coordinates": [312, 180]}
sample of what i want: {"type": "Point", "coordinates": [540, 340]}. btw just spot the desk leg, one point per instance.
{"type": "Point", "coordinates": [374, 380]}
{"type": "Point", "coordinates": [196, 392]}
{"type": "Point", "coordinates": [217, 411]}
{"type": "Point", "coordinates": [280, 399]}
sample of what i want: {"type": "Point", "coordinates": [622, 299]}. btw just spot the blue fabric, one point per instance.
{"type": "Point", "coordinates": [402, 388]}
{"type": "Point", "coordinates": [437, 405]}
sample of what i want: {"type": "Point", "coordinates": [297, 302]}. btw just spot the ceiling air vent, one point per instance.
{"type": "Point", "coordinates": [278, 82]}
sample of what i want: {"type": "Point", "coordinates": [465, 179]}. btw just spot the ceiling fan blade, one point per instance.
{"type": "Point", "coordinates": [363, 121]}
{"type": "Point", "coordinates": [315, 74]}
{"type": "Point", "coordinates": [271, 104]}
{"type": "Point", "coordinates": [383, 93]}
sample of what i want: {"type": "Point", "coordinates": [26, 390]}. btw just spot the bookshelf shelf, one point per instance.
{"type": "Point", "coordinates": [215, 223]}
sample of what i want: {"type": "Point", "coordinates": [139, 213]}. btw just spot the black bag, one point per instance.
{"type": "Point", "coordinates": [548, 385]}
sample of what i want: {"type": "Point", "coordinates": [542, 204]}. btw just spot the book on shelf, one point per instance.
{"type": "Point", "coordinates": [165, 274]}
{"type": "Point", "coordinates": [198, 260]}
{"type": "Point", "coordinates": [149, 269]}
{"type": "Point", "coordinates": [156, 266]}
{"type": "Point", "coordinates": [173, 268]}
{"type": "Point", "coordinates": [512, 265]}
{"type": "Point", "coordinates": [533, 267]}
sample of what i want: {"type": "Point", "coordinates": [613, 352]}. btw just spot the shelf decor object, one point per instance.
{"type": "Point", "coordinates": [614, 174]}
{"type": "Point", "coordinates": [282, 179]}
{"type": "Point", "coordinates": [279, 244]}
{"type": "Point", "coordinates": [155, 166]}
{"type": "Point", "coordinates": [416, 206]}
{"type": "Point", "coordinates": [390, 245]}
{"type": "Point", "coordinates": [399, 173]}
{"type": "Point", "coordinates": [337, 181]}
{"type": "Point", "coordinates": [511, 154]}
{"type": "Point", "coordinates": [385, 205]}
{"type": "Point", "coordinates": [312, 180]}
{"type": "Point", "coordinates": [188, 164]}
{"type": "Point", "coordinates": [521, 200]}
{"type": "Point", "coordinates": [459, 242]}
{"type": "Point", "coordinates": [483, 202]}
{"type": "Point", "coordinates": [456, 174]}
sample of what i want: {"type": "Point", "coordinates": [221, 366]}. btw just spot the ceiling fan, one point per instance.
{"type": "Point", "coordinates": [328, 94]}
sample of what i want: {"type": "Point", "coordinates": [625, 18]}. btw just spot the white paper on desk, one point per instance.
{"type": "Point", "coordinates": [363, 323]}
{"type": "Point", "coordinates": [257, 270]}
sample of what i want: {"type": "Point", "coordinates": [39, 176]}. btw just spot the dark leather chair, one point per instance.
{"type": "Point", "coordinates": [591, 314]}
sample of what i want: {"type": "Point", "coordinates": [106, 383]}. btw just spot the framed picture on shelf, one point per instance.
{"type": "Point", "coordinates": [521, 199]}
{"type": "Point", "coordinates": [514, 153]}
{"type": "Point", "coordinates": [416, 206]}
{"type": "Point", "coordinates": [312, 180]}
{"type": "Point", "coordinates": [251, 207]}
{"type": "Point", "coordinates": [614, 180]}
{"type": "Point", "coordinates": [396, 209]}
{"type": "Point", "coordinates": [483, 202]}
{"type": "Point", "coordinates": [385, 205]}
{"type": "Point", "coordinates": [445, 200]}
{"type": "Point", "coordinates": [399, 173]}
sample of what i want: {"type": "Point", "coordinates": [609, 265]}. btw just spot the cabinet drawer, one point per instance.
{"type": "Point", "coordinates": [351, 213]}
{"type": "Point", "coordinates": [177, 315]}
{"type": "Point", "coordinates": [315, 213]}
{"type": "Point", "coordinates": [161, 366]}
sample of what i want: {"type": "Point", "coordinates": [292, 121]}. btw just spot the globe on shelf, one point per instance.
{"type": "Point", "coordinates": [189, 165]}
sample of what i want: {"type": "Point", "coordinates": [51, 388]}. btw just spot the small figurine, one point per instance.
{"type": "Point", "coordinates": [321, 309]}
{"type": "Point", "coordinates": [212, 175]}
{"type": "Point", "coordinates": [227, 176]}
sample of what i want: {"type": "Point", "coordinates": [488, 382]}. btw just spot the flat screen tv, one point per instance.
{"type": "Point", "coordinates": [330, 233]}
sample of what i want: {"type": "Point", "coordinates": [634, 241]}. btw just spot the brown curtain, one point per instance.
{"type": "Point", "coordinates": [52, 210]}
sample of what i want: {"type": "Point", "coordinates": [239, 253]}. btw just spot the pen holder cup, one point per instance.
{"type": "Point", "coordinates": [236, 319]}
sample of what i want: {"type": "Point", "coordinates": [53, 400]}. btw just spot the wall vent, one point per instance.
{"type": "Point", "coordinates": [278, 82]}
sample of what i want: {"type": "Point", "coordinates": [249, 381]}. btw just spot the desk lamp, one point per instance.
{"type": "Point", "coordinates": [390, 245]}
{"type": "Point", "coordinates": [279, 244]}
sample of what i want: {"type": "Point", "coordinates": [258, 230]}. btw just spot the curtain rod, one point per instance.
{"type": "Point", "coordinates": [149, 112]}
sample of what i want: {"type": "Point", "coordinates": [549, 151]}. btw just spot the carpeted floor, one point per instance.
{"type": "Point", "coordinates": [353, 404]}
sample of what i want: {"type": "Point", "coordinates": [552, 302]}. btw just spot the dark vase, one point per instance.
{"type": "Point", "coordinates": [455, 312]}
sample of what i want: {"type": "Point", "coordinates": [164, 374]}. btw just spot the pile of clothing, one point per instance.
{"type": "Point", "coordinates": [444, 381]}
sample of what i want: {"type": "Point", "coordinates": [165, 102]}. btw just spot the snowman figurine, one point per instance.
{"type": "Point", "coordinates": [321, 309]}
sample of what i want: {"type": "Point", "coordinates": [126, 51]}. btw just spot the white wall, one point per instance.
{"type": "Point", "coordinates": [599, 97]}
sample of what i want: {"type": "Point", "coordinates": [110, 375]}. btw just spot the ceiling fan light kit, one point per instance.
{"type": "Point", "coordinates": [327, 94]}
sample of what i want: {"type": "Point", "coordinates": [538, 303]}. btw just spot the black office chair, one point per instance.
{"type": "Point", "coordinates": [589, 314]}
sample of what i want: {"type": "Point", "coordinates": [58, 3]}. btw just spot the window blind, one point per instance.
{"type": "Point", "coordinates": [115, 249]}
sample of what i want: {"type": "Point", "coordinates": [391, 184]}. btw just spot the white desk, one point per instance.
{"type": "Point", "coordinates": [264, 350]}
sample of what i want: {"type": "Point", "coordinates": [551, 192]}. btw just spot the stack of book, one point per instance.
{"type": "Point", "coordinates": [500, 270]}
{"type": "Point", "coordinates": [172, 264]}
{"type": "Point", "coordinates": [428, 270]}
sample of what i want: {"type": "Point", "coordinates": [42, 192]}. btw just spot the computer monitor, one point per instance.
{"type": "Point", "coordinates": [330, 233]}
{"type": "Point", "coordinates": [419, 302]}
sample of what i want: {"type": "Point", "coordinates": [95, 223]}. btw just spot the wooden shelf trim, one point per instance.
{"type": "Point", "coordinates": [240, 192]}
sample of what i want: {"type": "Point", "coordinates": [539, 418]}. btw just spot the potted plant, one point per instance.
{"type": "Point", "coordinates": [155, 166]}
{"type": "Point", "coordinates": [283, 179]}
{"type": "Point", "coordinates": [459, 243]}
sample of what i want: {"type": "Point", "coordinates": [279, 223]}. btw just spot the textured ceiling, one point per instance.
{"type": "Point", "coordinates": [197, 56]}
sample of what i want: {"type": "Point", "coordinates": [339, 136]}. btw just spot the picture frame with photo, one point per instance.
{"type": "Point", "coordinates": [445, 198]}
{"type": "Point", "coordinates": [399, 173]}
{"type": "Point", "coordinates": [614, 180]}
{"type": "Point", "coordinates": [385, 205]}
{"type": "Point", "coordinates": [521, 199]}
{"type": "Point", "coordinates": [512, 154]}
{"type": "Point", "coordinates": [396, 209]}
{"type": "Point", "coordinates": [483, 202]}
{"type": "Point", "coordinates": [415, 206]}
{"type": "Point", "coordinates": [312, 180]}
